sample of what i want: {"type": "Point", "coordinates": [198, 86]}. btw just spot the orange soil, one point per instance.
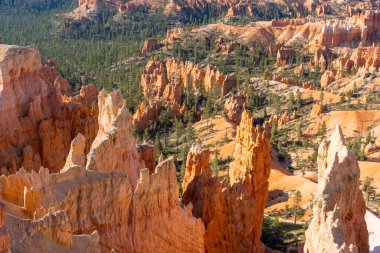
{"type": "Point", "coordinates": [353, 123]}
{"type": "Point", "coordinates": [213, 131]}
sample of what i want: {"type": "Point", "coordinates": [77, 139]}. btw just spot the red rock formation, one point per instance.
{"type": "Point", "coordinates": [322, 58]}
{"type": "Point", "coordinates": [226, 47]}
{"type": "Point", "coordinates": [76, 156]}
{"type": "Point", "coordinates": [164, 80]}
{"type": "Point", "coordinates": [299, 70]}
{"type": "Point", "coordinates": [293, 116]}
{"type": "Point", "coordinates": [106, 202]}
{"type": "Point", "coordinates": [114, 148]}
{"type": "Point", "coordinates": [292, 82]}
{"type": "Point", "coordinates": [146, 114]}
{"type": "Point", "coordinates": [240, 9]}
{"type": "Point", "coordinates": [366, 59]}
{"type": "Point", "coordinates": [284, 56]}
{"type": "Point", "coordinates": [4, 234]}
{"type": "Point", "coordinates": [362, 27]}
{"type": "Point", "coordinates": [39, 114]}
{"type": "Point", "coordinates": [234, 107]}
{"type": "Point", "coordinates": [149, 46]}
{"type": "Point", "coordinates": [62, 212]}
{"type": "Point", "coordinates": [317, 110]}
{"type": "Point", "coordinates": [147, 153]}
{"type": "Point", "coordinates": [198, 159]}
{"type": "Point", "coordinates": [283, 119]}
{"type": "Point", "coordinates": [327, 78]}
{"type": "Point", "coordinates": [90, 3]}
{"type": "Point", "coordinates": [362, 57]}
{"type": "Point", "coordinates": [233, 214]}
{"type": "Point", "coordinates": [338, 223]}
{"type": "Point", "coordinates": [154, 216]}
{"type": "Point", "coordinates": [162, 84]}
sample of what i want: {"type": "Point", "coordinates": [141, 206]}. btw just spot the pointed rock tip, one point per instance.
{"type": "Point", "coordinates": [337, 135]}
{"type": "Point", "coordinates": [79, 138]}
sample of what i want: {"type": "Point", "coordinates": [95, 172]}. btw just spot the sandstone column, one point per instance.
{"type": "Point", "coordinates": [338, 223]}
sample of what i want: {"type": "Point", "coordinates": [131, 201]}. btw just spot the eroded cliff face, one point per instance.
{"type": "Point", "coordinates": [51, 233]}
{"type": "Point", "coordinates": [338, 223]}
{"type": "Point", "coordinates": [233, 213]}
{"type": "Point", "coordinates": [163, 80]}
{"type": "Point", "coordinates": [367, 58]}
{"type": "Point", "coordinates": [234, 107]}
{"type": "Point", "coordinates": [363, 27]}
{"type": "Point", "coordinates": [362, 61]}
{"type": "Point", "coordinates": [40, 117]}
{"type": "Point", "coordinates": [89, 201]}
{"type": "Point", "coordinates": [163, 83]}
{"type": "Point", "coordinates": [198, 159]}
{"type": "Point", "coordinates": [147, 153]}
{"type": "Point", "coordinates": [147, 113]}
{"type": "Point", "coordinates": [114, 148]}
{"type": "Point", "coordinates": [157, 212]}
{"type": "Point", "coordinates": [97, 202]}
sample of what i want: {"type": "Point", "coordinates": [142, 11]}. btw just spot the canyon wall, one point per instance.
{"type": "Point", "coordinates": [95, 203]}
{"type": "Point", "coordinates": [233, 213]}
{"type": "Point", "coordinates": [40, 116]}
{"type": "Point", "coordinates": [362, 27]}
{"type": "Point", "coordinates": [106, 202]}
{"type": "Point", "coordinates": [198, 160]}
{"type": "Point", "coordinates": [147, 153]}
{"type": "Point", "coordinates": [338, 223]}
{"type": "Point", "coordinates": [367, 58]}
{"type": "Point", "coordinates": [164, 82]}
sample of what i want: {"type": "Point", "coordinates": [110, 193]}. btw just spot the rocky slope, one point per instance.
{"type": "Point", "coordinates": [230, 8]}
{"type": "Point", "coordinates": [309, 32]}
{"type": "Point", "coordinates": [338, 223]}
{"type": "Point", "coordinates": [182, 8]}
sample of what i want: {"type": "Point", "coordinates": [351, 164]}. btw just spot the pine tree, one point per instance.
{"type": "Point", "coordinates": [299, 99]}
{"type": "Point", "coordinates": [291, 100]}
{"type": "Point", "coordinates": [273, 132]}
{"type": "Point", "coordinates": [368, 187]}
{"type": "Point", "coordinates": [215, 162]}
{"type": "Point", "coordinates": [158, 144]}
{"type": "Point", "coordinates": [296, 209]}
{"type": "Point", "coordinates": [299, 131]}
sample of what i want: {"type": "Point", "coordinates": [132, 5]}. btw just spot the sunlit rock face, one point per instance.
{"type": "Point", "coordinates": [233, 213]}
{"type": "Point", "coordinates": [114, 148]}
{"type": "Point", "coordinates": [102, 197]}
{"type": "Point", "coordinates": [39, 115]}
{"type": "Point", "coordinates": [338, 223]}
{"type": "Point", "coordinates": [162, 84]}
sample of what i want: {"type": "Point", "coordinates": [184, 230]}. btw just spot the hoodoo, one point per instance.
{"type": "Point", "coordinates": [233, 214]}
{"type": "Point", "coordinates": [338, 223]}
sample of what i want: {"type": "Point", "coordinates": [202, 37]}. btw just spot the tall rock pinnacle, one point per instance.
{"type": "Point", "coordinates": [338, 223]}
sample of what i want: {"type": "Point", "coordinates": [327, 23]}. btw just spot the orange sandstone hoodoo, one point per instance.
{"type": "Point", "coordinates": [232, 214]}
